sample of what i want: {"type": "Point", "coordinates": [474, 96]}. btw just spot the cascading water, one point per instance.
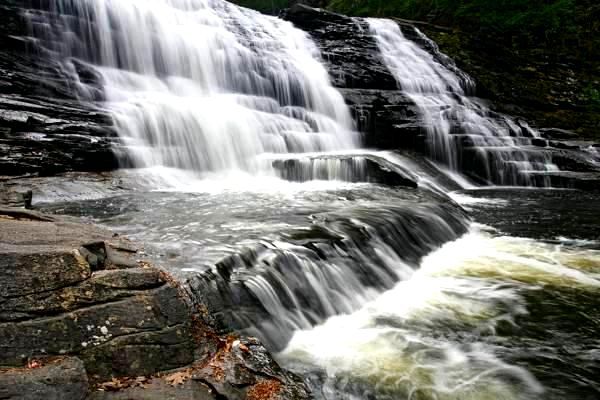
{"type": "Point", "coordinates": [201, 85]}
{"type": "Point", "coordinates": [205, 87]}
{"type": "Point", "coordinates": [325, 271]}
{"type": "Point", "coordinates": [462, 132]}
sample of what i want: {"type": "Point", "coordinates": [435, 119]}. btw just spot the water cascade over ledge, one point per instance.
{"type": "Point", "coordinates": [361, 269]}
{"type": "Point", "coordinates": [462, 133]}
{"type": "Point", "coordinates": [203, 91]}
{"type": "Point", "coordinates": [201, 85]}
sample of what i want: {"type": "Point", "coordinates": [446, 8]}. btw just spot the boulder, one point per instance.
{"type": "Point", "coordinates": [65, 293]}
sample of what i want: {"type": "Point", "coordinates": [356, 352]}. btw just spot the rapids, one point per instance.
{"type": "Point", "coordinates": [369, 273]}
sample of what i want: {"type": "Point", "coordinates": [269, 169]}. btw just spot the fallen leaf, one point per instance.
{"type": "Point", "coordinates": [112, 386]}
{"type": "Point", "coordinates": [178, 378]}
{"type": "Point", "coordinates": [244, 348]}
{"type": "Point", "coordinates": [33, 364]}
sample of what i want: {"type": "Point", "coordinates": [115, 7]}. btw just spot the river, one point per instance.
{"type": "Point", "coordinates": [373, 274]}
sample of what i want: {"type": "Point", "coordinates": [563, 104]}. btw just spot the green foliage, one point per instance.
{"type": "Point", "coordinates": [265, 6]}
{"type": "Point", "coordinates": [592, 95]}
{"type": "Point", "coordinates": [529, 20]}
{"type": "Point", "coordinates": [569, 27]}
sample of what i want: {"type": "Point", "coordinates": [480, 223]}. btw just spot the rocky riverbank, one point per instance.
{"type": "Point", "coordinates": [83, 317]}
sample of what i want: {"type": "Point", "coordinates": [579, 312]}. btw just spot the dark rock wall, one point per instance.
{"type": "Point", "coordinates": [44, 128]}
{"type": "Point", "coordinates": [387, 118]}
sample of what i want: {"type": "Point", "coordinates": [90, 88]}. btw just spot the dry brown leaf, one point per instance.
{"type": "Point", "coordinates": [112, 386]}
{"type": "Point", "coordinates": [178, 378]}
{"type": "Point", "coordinates": [33, 364]}
{"type": "Point", "coordinates": [142, 381]}
{"type": "Point", "coordinates": [244, 348]}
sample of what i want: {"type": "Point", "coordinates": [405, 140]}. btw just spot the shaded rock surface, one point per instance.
{"type": "Point", "coordinates": [44, 128]}
{"type": "Point", "coordinates": [61, 379]}
{"type": "Point", "coordinates": [69, 289]}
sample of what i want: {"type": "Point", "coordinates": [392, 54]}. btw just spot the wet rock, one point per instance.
{"type": "Point", "coordinates": [389, 119]}
{"type": "Point", "coordinates": [52, 302]}
{"type": "Point", "coordinates": [243, 369]}
{"type": "Point", "coordinates": [44, 128]}
{"type": "Point", "coordinates": [360, 168]}
{"type": "Point", "coordinates": [347, 48]}
{"type": "Point", "coordinates": [61, 379]}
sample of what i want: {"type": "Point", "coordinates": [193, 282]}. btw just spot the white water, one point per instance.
{"type": "Point", "coordinates": [205, 86]}
{"type": "Point", "coordinates": [201, 85]}
{"type": "Point", "coordinates": [426, 337]}
{"type": "Point", "coordinates": [461, 131]}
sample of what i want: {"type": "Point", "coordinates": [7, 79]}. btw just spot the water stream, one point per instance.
{"type": "Point", "coordinates": [462, 132]}
{"type": "Point", "coordinates": [362, 270]}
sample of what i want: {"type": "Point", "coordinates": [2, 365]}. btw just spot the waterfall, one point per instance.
{"type": "Point", "coordinates": [201, 85]}
{"type": "Point", "coordinates": [461, 131]}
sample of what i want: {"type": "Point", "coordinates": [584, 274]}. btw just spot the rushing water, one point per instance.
{"type": "Point", "coordinates": [467, 325]}
{"type": "Point", "coordinates": [201, 85]}
{"type": "Point", "coordinates": [358, 267]}
{"type": "Point", "coordinates": [486, 316]}
{"type": "Point", "coordinates": [462, 132]}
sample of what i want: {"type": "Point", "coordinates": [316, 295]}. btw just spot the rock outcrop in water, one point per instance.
{"type": "Point", "coordinates": [383, 112]}
{"type": "Point", "coordinates": [78, 309]}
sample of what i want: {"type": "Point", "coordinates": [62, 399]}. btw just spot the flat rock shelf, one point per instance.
{"type": "Point", "coordinates": [82, 317]}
